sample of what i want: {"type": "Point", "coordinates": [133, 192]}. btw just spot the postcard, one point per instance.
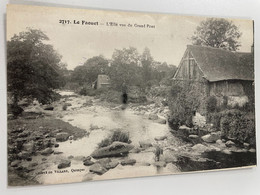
{"type": "Point", "coordinates": [98, 95]}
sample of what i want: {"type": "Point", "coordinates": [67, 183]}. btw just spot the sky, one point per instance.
{"type": "Point", "coordinates": [165, 35]}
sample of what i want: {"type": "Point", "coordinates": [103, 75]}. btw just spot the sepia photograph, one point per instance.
{"type": "Point", "coordinates": [98, 95]}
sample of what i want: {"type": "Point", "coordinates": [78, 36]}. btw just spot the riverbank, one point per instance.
{"type": "Point", "coordinates": [72, 129]}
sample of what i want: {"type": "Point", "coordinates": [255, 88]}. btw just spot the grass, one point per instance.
{"type": "Point", "coordinates": [117, 135]}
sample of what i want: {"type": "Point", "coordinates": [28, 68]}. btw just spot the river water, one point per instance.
{"type": "Point", "coordinates": [100, 121]}
{"type": "Point", "coordinates": [105, 121]}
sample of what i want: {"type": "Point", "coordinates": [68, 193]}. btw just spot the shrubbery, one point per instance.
{"type": "Point", "coordinates": [117, 135]}
{"type": "Point", "coordinates": [185, 99]}
{"type": "Point", "coordinates": [234, 124]}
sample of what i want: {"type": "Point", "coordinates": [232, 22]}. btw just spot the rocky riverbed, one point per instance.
{"type": "Point", "coordinates": [63, 155]}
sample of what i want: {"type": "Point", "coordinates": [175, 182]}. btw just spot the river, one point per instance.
{"type": "Point", "coordinates": [100, 121]}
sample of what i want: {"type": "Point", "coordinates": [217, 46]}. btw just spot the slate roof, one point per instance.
{"type": "Point", "coordinates": [219, 64]}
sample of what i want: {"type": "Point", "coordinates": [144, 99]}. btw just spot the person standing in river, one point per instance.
{"type": "Point", "coordinates": [124, 96]}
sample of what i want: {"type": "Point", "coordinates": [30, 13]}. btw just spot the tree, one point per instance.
{"type": "Point", "coordinates": [219, 33]}
{"type": "Point", "coordinates": [33, 67]}
{"type": "Point", "coordinates": [146, 60]}
{"type": "Point", "coordinates": [125, 68]}
{"type": "Point", "coordinates": [89, 71]}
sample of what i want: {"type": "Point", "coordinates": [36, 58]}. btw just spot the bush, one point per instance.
{"type": "Point", "coordinates": [120, 136]}
{"type": "Point", "coordinates": [117, 135]}
{"type": "Point", "coordinates": [183, 102]}
{"type": "Point", "coordinates": [238, 125]}
{"type": "Point", "coordinates": [211, 104]}
{"type": "Point", "coordinates": [104, 143]}
{"type": "Point", "coordinates": [234, 124]}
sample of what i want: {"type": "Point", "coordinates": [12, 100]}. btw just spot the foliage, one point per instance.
{"type": "Point", "coordinates": [211, 104]}
{"type": "Point", "coordinates": [219, 33]}
{"type": "Point", "coordinates": [234, 124]}
{"type": "Point", "coordinates": [105, 142]}
{"type": "Point", "coordinates": [185, 98]}
{"type": "Point", "coordinates": [33, 67]}
{"type": "Point", "coordinates": [89, 71]}
{"type": "Point", "coordinates": [117, 135]}
{"type": "Point", "coordinates": [125, 68]}
{"type": "Point", "coordinates": [120, 136]}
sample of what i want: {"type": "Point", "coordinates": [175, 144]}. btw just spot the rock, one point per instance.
{"type": "Point", "coordinates": [184, 127]}
{"type": "Point", "coordinates": [111, 165]}
{"type": "Point", "coordinates": [230, 143]}
{"type": "Point", "coordinates": [160, 138]}
{"type": "Point", "coordinates": [153, 116]}
{"type": "Point", "coordinates": [56, 145]}
{"type": "Point", "coordinates": [70, 157]}
{"type": "Point", "coordinates": [15, 163]}
{"type": "Point", "coordinates": [64, 164]}
{"type": "Point", "coordinates": [47, 151]}
{"type": "Point", "coordinates": [160, 164]}
{"type": "Point", "coordinates": [29, 147]}
{"type": "Point", "coordinates": [169, 157]}
{"type": "Point", "coordinates": [49, 107]}
{"type": "Point", "coordinates": [115, 149]}
{"type": "Point", "coordinates": [97, 168]}
{"type": "Point", "coordinates": [61, 137]}
{"type": "Point", "coordinates": [23, 134]}
{"type": "Point", "coordinates": [44, 159]}
{"type": "Point", "coordinates": [88, 162]}
{"type": "Point", "coordinates": [33, 164]}
{"type": "Point", "coordinates": [193, 136]}
{"type": "Point", "coordinates": [252, 150]}
{"type": "Point", "coordinates": [211, 138]}
{"type": "Point", "coordinates": [246, 145]}
{"type": "Point", "coordinates": [145, 144]}
{"type": "Point", "coordinates": [87, 158]}
{"type": "Point", "coordinates": [57, 152]}
{"type": "Point", "coordinates": [104, 161]}
{"type": "Point", "coordinates": [24, 155]}
{"type": "Point", "coordinates": [172, 168]}
{"type": "Point", "coordinates": [161, 120]}
{"type": "Point", "coordinates": [200, 148]}
{"type": "Point", "coordinates": [128, 162]}
{"type": "Point", "coordinates": [226, 151]}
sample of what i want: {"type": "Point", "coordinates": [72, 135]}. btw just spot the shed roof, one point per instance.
{"type": "Point", "coordinates": [219, 64]}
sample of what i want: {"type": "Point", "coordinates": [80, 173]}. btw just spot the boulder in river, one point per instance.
{"type": "Point", "coordinates": [98, 169]}
{"type": "Point", "coordinates": [160, 138]}
{"type": "Point", "coordinates": [112, 165]}
{"type": "Point", "coordinates": [229, 143]}
{"type": "Point", "coordinates": [200, 148]}
{"type": "Point", "coordinates": [15, 163]}
{"type": "Point", "coordinates": [211, 138]}
{"type": "Point", "coordinates": [115, 149]}
{"type": "Point", "coordinates": [128, 162]}
{"type": "Point", "coordinates": [193, 136]}
{"type": "Point", "coordinates": [145, 144]}
{"type": "Point", "coordinates": [48, 107]}
{"type": "Point", "coordinates": [61, 137]}
{"type": "Point", "coordinates": [64, 164]}
{"type": "Point", "coordinates": [88, 162]}
{"type": "Point", "coordinates": [47, 151]}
